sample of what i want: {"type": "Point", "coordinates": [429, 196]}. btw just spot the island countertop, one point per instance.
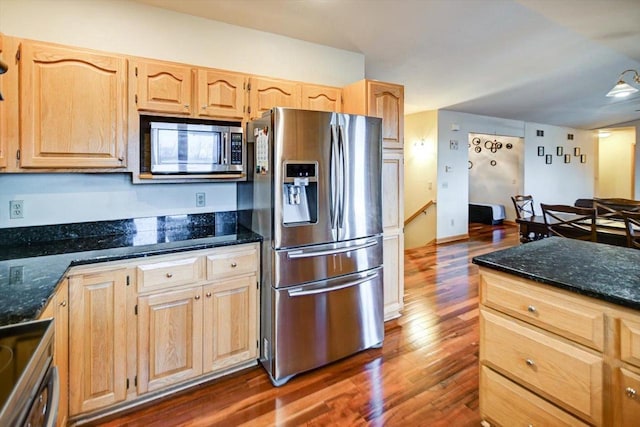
{"type": "Point", "coordinates": [33, 260]}
{"type": "Point", "coordinates": [609, 273]}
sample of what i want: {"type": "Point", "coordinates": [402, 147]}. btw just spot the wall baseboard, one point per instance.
{"type": "Point", "coordinates": [452, 239]}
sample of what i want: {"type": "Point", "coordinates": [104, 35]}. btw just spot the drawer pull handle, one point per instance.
{"type": "Point", "coordinates": [63, 303]}
{"type": "Point", "coordinates": [197, 297]}
{"type": "Point", "coordinates": [234, 265]}
{"type": "Point", "coordinates": [630, 392]}
{"type": "Point", "coordinates": [530, 362]}
{"type": "Point", "coordinates": [169, 275]}
{"type": "Point", "coordinates": [531, 309]}
{"type": "Point", "coordinates": [208, 294]}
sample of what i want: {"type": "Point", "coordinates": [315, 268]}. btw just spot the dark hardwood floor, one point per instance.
{"type": "Point", "coordinates": [426, 373]}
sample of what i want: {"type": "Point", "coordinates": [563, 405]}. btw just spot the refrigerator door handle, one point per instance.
{"type": "Point", "coordinates": [343, 179]}
{"type": "Point", "coordinates": [299, 292]}
{"type": "Point", "coordinates": [302, 254]}
{"type": "Point", "coordinates": [334, 181]}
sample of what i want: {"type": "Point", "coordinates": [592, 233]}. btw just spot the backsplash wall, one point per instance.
{"type": "Point", "coordinates": [64, 198]}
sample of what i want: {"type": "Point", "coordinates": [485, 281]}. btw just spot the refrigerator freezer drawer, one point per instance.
{"type": "Point", "coordinates": [315, 262]}
{"type": "Point", "coordinates": [321, 322]}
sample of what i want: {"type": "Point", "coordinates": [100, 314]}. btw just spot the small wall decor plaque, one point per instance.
{"type": "Point", "coordinates": [583, 158]}
{"type": "Point", "coordinates": [576, 151]}
{"type": "Point", "coordinates": [540, 150]}
{"type": "Point", "coordinates": [567, 158]}
{"type": "Point", "coordinates": [548, 159]}
{"type": "Point", "coordinates": [559, 151]}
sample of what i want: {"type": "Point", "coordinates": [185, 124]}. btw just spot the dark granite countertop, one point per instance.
{"type": "Point", "coordinates": [609, 273]}
{"type": "Point", "coordinates": [33, 260]}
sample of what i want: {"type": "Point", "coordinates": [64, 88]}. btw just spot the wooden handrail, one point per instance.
{"type": "Point", "coordinates": [419, 211]}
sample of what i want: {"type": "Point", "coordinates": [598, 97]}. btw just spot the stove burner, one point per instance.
{"type": "Point", "coordinates": [6, 356]}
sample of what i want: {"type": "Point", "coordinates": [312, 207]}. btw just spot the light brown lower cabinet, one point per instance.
{"type": "Point", "coordinates": [132, 338]}
{"type": "Point", "coordinates": [553, 357]}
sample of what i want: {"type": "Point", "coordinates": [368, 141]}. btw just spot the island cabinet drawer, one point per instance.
{"type": "Point", "coordinates": [169, 273]}
{"type": "Point", "coordinates": [569, 376]}
{"type": "Point", "coordinates": [629, 397]}
{"type": "Point", "coordinates": [505, 403]}
{"type": "Point", "coordinates": [630, 342]}
{"type": "Point", "coordinates": [232, 262]}
{"type": "Point", "coordinates": [551, 310]}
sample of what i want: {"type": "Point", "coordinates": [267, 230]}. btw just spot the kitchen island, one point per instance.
{"type": "Point", "coordinates": [143, 307]}
{"type": "Point", "coordinates": [560, 334]}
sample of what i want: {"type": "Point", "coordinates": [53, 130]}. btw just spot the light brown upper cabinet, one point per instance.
{"type": "Point", "coordinates": [72, 108]}
{"type": "Point", "coordinates": [379, 99]}
{"type": "Point", "coordinates": [221, 94]}
{"type": "Point", "coordinates": [265, 94]}
{"type": "Point", "coordinates": [162, 87]}
{"type": "Point", "coordinates": [321, 98]}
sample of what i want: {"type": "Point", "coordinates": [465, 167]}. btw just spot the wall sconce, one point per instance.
{"type": "Point", "coordinates": [419, 143]}
{"type": "Point", "coordinates": [622, 88]}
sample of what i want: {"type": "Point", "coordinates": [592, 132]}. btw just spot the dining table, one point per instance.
{"type": "Point", "coordinates": [608, 230]}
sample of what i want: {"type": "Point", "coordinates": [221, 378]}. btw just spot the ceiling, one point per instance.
{"type": "Point", "coordinates": [541, 61]}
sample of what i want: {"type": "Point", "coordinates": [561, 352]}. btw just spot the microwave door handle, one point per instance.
{"type": "Point", "coordinates": [224, 148]}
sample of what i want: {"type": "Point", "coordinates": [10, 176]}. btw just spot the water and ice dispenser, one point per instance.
{"type": "Point", "coordinates": [300, 193]}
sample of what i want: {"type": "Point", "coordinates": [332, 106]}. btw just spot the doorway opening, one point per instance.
{"type": "Point", "coordinates": [615, 172]}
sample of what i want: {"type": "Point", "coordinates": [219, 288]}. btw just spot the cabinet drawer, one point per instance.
{"type": "Point", "coordinates": [230, 263]}
{"type": "Point", "coordinates": [554, 311]}
{"type": "Point", "coordinates": [505, 403]}
{"type": "Point", "coordinates": [630, 342]}
{"type": "Point", "coordinates": [166, 274]}
{"type": "Point", "coordinates": [629, 390]}
{"type": "Point", "coordinates": [564, 373]}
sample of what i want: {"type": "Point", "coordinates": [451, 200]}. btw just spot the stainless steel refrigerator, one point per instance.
{"type": "Point", "coordinates": [315, 196]}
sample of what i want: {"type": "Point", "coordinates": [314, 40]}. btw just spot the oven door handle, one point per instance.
{"type": "Point", "coordinates": [298, 292]}
{"type": "Point", "coordinates": [302, 254]}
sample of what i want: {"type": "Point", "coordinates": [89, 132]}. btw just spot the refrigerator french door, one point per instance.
{"type": "Point", "coordinates": [316, 200]}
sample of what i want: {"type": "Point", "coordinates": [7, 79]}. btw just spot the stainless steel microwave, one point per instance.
{"type": "Point", "coordinates": [185, 148]}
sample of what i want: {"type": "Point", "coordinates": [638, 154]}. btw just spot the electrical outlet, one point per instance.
{"type": "Point", "coordinates": [16, 275]}
{"type": "Point", "coordinates": [201, 200]}
{"type": "Point", "coordinates": [16, 209]}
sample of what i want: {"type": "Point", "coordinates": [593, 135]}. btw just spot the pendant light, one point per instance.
{"type": "Point", "coordinates": [623, 89]}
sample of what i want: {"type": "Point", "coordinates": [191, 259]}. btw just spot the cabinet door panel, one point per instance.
{"type": "Point", "coordinates": [230, 323]}
{"type": "Point", "coordinates": [392, 190]}
{"type": "Point", "coordinates": [387, 101]}
{"type": "Point", "coordinates": [266, 94]}
{"type": "Point", "coordinates": [169, 338]}
{"type": "Point", "coordinates": [72, 109]}
{"type": "Point", "coordinates": [393, 259]}
{"type": "Point", "coordinates": [97, 340]}
{"type": "Point", "coordinates": [321, 98]}
{"type": "Point", "coordinates": [628, 395]}
{"type": "Point", "coordinates": [220, 94]}
{"type": "Point", "coordinates": [164, 88]}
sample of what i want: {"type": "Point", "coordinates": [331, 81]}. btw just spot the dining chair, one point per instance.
{"type": "Point", "coordinates": [570, 221]}
{"type": "Point", "coordinates": [611, 208]}
{"type": "Point", "coordinates": [523, 205]}
{"type": "Point", "coordinates": [632, 228]}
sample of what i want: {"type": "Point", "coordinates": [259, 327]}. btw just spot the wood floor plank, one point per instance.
{"type": "Point", "coordinates": [426, 373]}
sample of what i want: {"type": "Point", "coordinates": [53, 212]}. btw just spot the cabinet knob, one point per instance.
{"type": "Point", "coordinates": [121, 159]}
{"type": "Point", "coordinates": [169, 275]}
{"type": "Point", "coordinates": [204, 107]}
{"type": "Point", "coordinates": [530, 362]}
{"type": "Point", "coordinates": [63, 303]}
{"type": "Point", "coordinates": [197, 297]}
{"type": "Point", "coordinates": [234, 265]}
{"type": "Point", "coordinates": [532, 309]}
{"type": "Point", "coordinates": [208, 294]}
{"type": "Point", "coordinates": [630, 392]}
{"type": "Point", "coordinates": [186, 106]}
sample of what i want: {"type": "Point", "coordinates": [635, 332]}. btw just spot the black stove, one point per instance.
{"type": "Point", "coordinates": [27, 392]}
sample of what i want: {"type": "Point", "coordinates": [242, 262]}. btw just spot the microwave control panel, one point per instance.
{"type": "Point", "coordinates": [236, 148]}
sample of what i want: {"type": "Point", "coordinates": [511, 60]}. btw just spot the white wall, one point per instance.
{"type": "Point", "coordinates": [132, 28]}
{"type": "Point", "coordinates": [453, 167]}
{"type": "Point", "coordinates": [558, 182]}
{"type": "Point", "coordinates": [496, 183]}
